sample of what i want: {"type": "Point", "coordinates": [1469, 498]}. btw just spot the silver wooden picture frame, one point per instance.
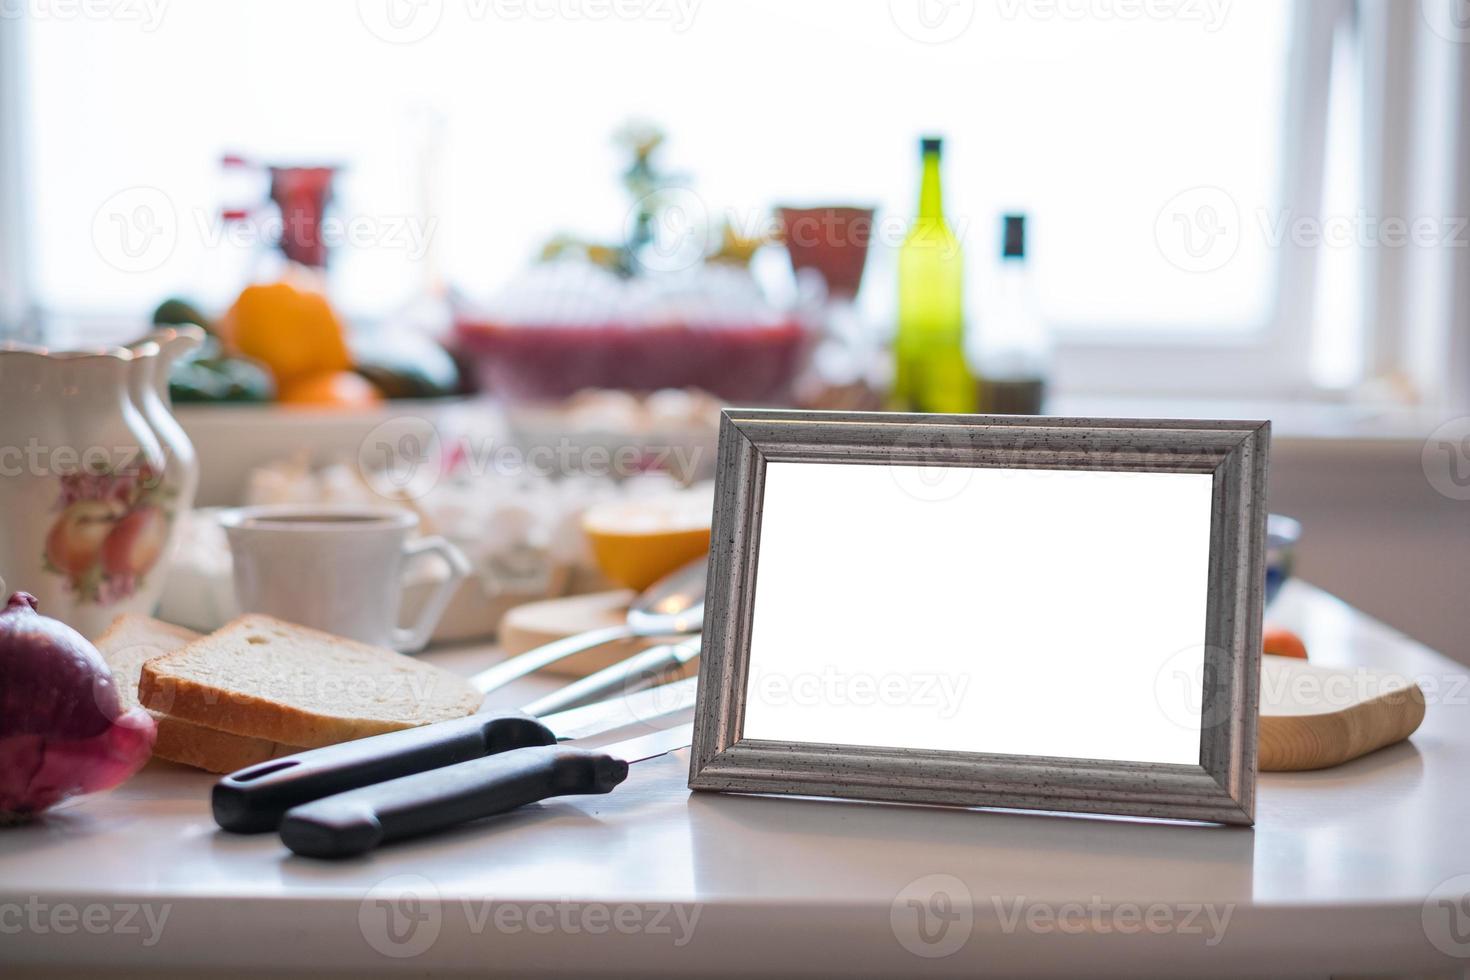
{"type": "Point", "coordinates": [1219, 788]}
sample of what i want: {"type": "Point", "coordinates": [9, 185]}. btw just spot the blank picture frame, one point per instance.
{"type": "Point", "coordinates": [1044, 613]}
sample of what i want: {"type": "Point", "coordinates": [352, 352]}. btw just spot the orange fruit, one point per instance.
{"type": "Point", "coordinates": [334, 389]}
{"type": "Point", "coordinates": [637, 542]}
{"type": "Point", "coordinates": [1283, 643]}
{"type": "Point", "coordinates": [294, 332]}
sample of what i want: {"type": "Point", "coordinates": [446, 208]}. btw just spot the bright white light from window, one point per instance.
{"type": "Point", "coordinates": [1337, 329]}
{"type": "Point", "coordinates": [1088, 118]}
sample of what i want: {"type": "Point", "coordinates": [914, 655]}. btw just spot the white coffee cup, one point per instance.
{"type": "Point", "coordinates": [338, 569]}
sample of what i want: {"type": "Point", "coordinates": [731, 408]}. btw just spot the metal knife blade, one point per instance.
{"type": "Point", "coordinates": [652, 707]}
{"type": "Point", "coordinates": [651, 746]}
{"type": "Point", "coordinates": [645, 669]}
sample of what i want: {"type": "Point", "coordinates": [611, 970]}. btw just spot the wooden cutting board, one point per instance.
{"type": "Point", "coordinates": [1314, 717]}
{"type": "Point", "coordinates": [536, 623]}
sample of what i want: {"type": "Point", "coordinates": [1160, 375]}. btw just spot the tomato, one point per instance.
{"type": "Point", "coordinates": [1283, 643]}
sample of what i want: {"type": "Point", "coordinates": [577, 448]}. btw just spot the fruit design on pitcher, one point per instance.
{"type": "Point", "coordinates": [110, 531]}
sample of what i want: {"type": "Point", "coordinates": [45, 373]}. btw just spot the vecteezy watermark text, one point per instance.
{"type": "Point", "coordinates": [934, 916]}
{"type": "Point", "coordinates": [1202, 228]}
{"type": "Point", "coordinates": [405, 457]}
{"type": "Point", "coordinates": [411, 21]}
{"type": "Point", "coordinates": [1210, 14]}
{"type": "Point", "coordinates": [147, 14]}
{"type": "Point", "coordinates": [942, 693]}
{"type": "Point", "coordinates": [402, 917]}
{"type": "Point", "coordinates": [36, 458]}
{"type": "Point", "coordinates": [139, 228]}
{"type": "Point", "coordinates": [355, 688]}
{"type": "Point", "coordinates": [37, 916]}
{"type": "Point", "coordinates": [1097, 916]}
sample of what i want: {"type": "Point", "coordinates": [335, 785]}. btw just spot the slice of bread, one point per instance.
{"type": "Point", "coordinates": [264, 678]}
{"type": "Point", "coordinates": [132, 640]}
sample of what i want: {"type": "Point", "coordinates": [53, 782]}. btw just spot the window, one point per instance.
{"type": "Point", "coordinates": [1152, 145]}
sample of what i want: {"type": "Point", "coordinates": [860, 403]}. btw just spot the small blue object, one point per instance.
{"type": "Point", "coordinates": [1282, 534]}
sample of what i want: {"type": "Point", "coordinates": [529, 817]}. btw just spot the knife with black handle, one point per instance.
{"type": "Point", "coordinates": [357, 821]}
{"type": "Point", "coordinates": [254, 799]}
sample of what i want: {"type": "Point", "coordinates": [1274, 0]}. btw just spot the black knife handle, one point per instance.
{"type": "Point", "coordinates": [357, 821]}
{"type": "Point", "coordinates": [255, 799]}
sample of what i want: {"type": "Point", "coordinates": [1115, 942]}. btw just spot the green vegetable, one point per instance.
{"type": "Point", "coordinates": [174, 311]}
{"type": "Point", "coordinates": [208, 375]}
{"type": "Point", "coordinates": [405, 364]}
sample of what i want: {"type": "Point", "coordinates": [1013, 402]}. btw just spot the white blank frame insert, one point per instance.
{"type": "Point", "coordinates": [936, 620]}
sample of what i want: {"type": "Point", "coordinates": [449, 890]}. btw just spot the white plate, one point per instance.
{"type": "Point", "coordinates": [233, 439]}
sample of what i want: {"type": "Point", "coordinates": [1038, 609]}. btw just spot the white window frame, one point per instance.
{"type": "Point", "coordinates": [1273, 359]}
{"type": "Point", "coordinates": [16, 307]}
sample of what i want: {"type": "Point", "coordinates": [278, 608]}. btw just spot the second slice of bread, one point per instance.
{"type": "Point", "coordinates": [130, 642]}
{"type": "Point", "coordinates": [264, 678]}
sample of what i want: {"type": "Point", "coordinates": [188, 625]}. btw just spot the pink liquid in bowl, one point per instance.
{"type": "Point", "coordinates": [746, 364]}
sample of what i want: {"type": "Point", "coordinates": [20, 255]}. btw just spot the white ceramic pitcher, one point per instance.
{"type": "Point", "coordinates": [87, 509]}
{"type": "Point", "coordinates": [149, 389]}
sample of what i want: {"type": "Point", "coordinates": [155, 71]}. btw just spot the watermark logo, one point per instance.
{"type": "Point", "coordinates": [933, 916]}
{"type": "Point", "coordinates": [1450, 19]}
{"type": "Point", "coordinates": [923, 461]}
{"type": "Point", "coordinates": [1446, 459]}
{"type": "Point", "coordinates": [1198, 230]}
{"type": "Point", "coordinates": [400, 21]}
{"type": "Point", "coordinates": [401, 458]}
{"type": "Point", "coordinates": [136, 229]}
{"type": "Point", "coordinates": [1445, 916]}
{"type": "Point", "coordinates": [401, 916]}
{"type": "Point", "coordinates": [932, 21]}
{"type": "Point", "coordinates": [1189, 688]}
{"type": "Point", "coordinates": [680, 232]}
{"type": "Point", "coordinates": [648, 697]}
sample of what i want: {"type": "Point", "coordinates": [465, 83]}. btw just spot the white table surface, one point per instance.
{"type": "Point", "coordinates": [1341, 874]}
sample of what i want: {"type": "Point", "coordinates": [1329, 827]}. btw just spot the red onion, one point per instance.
{"type": "Point", "coordinates": [62, 730]}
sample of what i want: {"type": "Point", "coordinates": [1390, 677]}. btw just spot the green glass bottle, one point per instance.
{"type": "Point", "coordinates": [930, 371]}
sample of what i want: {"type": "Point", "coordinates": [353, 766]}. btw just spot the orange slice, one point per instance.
{"type": "Point", "coordinates": [637, 542]}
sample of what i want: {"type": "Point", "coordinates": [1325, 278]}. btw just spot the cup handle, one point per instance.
{"type": "Point", "coordinates": [416, 637]}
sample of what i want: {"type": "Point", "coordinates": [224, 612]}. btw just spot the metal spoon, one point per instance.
{"type": "Point", "coordinates": [672, 606]}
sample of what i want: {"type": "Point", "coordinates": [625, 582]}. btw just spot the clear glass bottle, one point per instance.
{"type": "Point", "coordinates": [1012, 347]}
